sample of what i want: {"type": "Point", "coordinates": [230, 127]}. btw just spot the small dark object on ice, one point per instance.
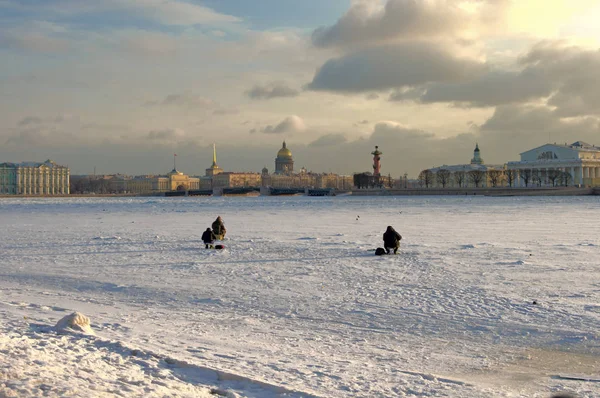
{"type": "Point", "coordinates": [380, 251]}
{"type": "Point", "coordinates": [530, 254]}
{"type": "Point", "coordinates": [534, 302]}
{"type": "Point", "coordinates": [219, 247]}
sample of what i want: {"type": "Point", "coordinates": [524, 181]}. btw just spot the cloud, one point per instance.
{"type": "Point", "coordinates": [272, 90]}
{"type": "Point", "coordinates": [370, 22]}
{"type": "Point", "coordinates": [33, 41]}
{"type": "Point", "coordinates": [328, 140]}
{"type": "Point", "coordinates": [513, 129]}
{"type": "Point", "coordinates": [493, 88]}
{"type": "Point", "coordinates": [184, 100]}
{"type": "Point", "coordinates": [291, 124]}
{"type": "Point", "coordinates": [224, 111]}
{"type": "Point", "coordinates": [166, 135]}
{"type": "Point", "coordinates": [568, 77]}
{"type": "Point", "coordinates": [148, 43]}
{"type": "Point", "coordinates": [173, 12]}
{"type": "Point", "coordinates": [392, 66]}
{"type": "Point", "coordinates": [166, 12]}
{"type": "Point", "coordinates": [30, 120]}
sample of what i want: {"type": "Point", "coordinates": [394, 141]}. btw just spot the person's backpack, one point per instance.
{"type": "Point", "coordinates": [380, 251]}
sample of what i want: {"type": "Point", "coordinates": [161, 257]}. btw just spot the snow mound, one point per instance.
{"type": "Point", "coordinates": [75, 322]}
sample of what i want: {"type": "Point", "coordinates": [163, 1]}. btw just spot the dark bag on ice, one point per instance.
{"type": "Point", "coordinates": [380, 251]}
{"type": "Point", "coordinates": [219, 247]}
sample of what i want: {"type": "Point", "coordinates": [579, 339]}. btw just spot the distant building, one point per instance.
{"type": "Point", "coordinates": [236, 180]}
{"type": "Point", "coordinates": [142, 184]}
{"type": "Point", "coordinates": [31, 178]}
{"type": "Point", "coordinates": [173, 181]}
{"type": "Point", "coordinates": [575, 164]}
{"type": "Point", "coordinates": [284, 176]}
{"type": "Point", "coordinates": [474, 174]}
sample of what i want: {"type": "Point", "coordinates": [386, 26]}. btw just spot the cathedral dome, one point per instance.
{"type": "Point", "coordinates": [284, 153]}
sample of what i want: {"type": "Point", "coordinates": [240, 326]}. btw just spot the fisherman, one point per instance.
{"type": "Point", "coordinates": [391, 239]}
{"type": "Point", "coordinates": [219, 228]}
{"type": "Point", "coordinates": [208, 237]}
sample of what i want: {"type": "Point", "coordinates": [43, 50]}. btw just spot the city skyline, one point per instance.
{"type": "Point", "coordinates": [122, 85]}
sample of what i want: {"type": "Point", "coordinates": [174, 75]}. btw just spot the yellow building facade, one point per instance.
{"type": "Point", "coordinates": [174, 181]}
{"type": "Point", "coordinates": [236, 180]}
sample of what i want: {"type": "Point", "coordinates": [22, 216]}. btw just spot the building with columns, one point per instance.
{"type": "Point", "coordinates": [31, 178]}
{"type": "Point", "coordinates": [143, 185]}
{"type": "Point", "coordinates": [580, 161]}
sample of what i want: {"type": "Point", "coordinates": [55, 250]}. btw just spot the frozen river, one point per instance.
{"type": "Point", "coordinates": [487, 297]}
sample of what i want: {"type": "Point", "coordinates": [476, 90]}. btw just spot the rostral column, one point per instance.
{"type": "Point", "coordinates": [376, 161]}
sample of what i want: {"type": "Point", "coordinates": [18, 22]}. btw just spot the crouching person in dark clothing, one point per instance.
{"type": "Point", "coordinates": [391, 240]}
{"type": "Point", "coordinates": [208, 237]}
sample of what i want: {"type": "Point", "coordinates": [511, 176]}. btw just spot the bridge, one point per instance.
{"type": "Point", "coordinates": [264, 191]}
{"type": "Point", "coordinates": [240, 190]}
{"type": "Point", "coordinates": [285, 191]}
{"type": "Point", "coordinates": [200, 192]}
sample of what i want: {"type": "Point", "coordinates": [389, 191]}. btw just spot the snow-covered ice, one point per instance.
{"type": "Point", "coordinates": [488, 297]}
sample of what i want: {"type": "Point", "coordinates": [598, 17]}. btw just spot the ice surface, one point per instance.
{"type": "Point", "coordinates": [297, 304]}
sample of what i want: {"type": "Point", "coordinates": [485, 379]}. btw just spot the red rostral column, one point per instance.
{"type": "Point", "coordinates": [376, 161]}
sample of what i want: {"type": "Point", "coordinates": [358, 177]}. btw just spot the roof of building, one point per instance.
{"type": "Point", "coordinates": [579, 146]}
{"type": "Point", "coordinates": [284, 152]}
{"type": "Point", "coordinates": [466, 167]}
{"type": "Point", "coordinates": [48, 163]}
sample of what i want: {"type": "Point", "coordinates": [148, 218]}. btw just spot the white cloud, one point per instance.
{"type": "Point", "coordinates": [371, 22]}
{"type": "Point", "coordinates": [291, 124]}
{"type": "Point", "coordinates": [328, 140]}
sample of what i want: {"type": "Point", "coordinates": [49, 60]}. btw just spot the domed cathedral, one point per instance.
{"type": "Point", "coordinates": [476, 155]}
{"type": "Point", "coordinates": [284, 163]}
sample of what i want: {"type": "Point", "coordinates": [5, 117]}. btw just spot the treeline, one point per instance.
{"type": "Point", "coordinates": [494, 178]}
{"type": "Point", "coordinates": [87, 185]}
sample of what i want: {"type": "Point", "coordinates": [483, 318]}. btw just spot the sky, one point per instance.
{"type": "Point", "coordinates": [119, 86]}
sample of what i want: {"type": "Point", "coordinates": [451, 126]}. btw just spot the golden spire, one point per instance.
{"type": "Point", "coordinates": [214, 155]}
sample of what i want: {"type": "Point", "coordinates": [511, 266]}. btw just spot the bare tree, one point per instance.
{"type": "Point", "coordinates": [443, 177]}
{"type": "Point", "coordinates": [495, 177]}
{"type": "Point", "coordinates": [511, 176]}
{"type": "Point", "coordinates": [553, 176]}
{"type": "Point", "coordinates": [460, 178]}
{"type": "Point", "coordinates": [525, 176]}
{"type": "Point", "coordinates": [476, 177]}
{"type": "Point", "coordinates": [565, 178]}
{"type": "Point", "coordinates": [426, 178]}
{"type": "Point", "coordinates": [536, 177]}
